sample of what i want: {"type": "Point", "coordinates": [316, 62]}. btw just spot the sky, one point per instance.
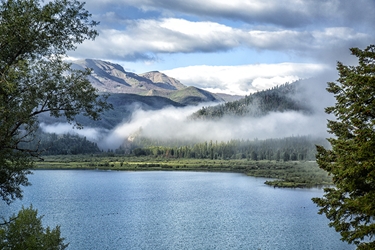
{"type": "Point", "coordinates": [235, 47]}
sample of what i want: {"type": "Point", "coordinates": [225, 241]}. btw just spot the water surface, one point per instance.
{"type": "Point", "coordinates": [176, 210]}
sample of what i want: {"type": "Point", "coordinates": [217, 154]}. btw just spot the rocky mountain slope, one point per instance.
{"type": "Point", "coordinates": [108, 77]}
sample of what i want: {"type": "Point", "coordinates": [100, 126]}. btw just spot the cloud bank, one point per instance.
{"type": "Point", "coordinates": [172, 124]}
{"type": "Point", "coordinates": [145, 39]}
{"type": "Point", "coordinates": [244, 79]}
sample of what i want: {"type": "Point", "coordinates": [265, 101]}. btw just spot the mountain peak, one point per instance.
{"type": "Point", "coordinates": [112, 78]}
{"type": "Point", "coordinates": [162, 79]}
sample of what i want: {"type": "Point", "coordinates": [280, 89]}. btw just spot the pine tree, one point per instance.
{"type": "Point", "coordinates": [350, 204]}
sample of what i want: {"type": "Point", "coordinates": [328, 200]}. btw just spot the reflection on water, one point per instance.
{"type": "Point", "coordinates": [176, 210]}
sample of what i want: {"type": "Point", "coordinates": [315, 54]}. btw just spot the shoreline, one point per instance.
{"type": "Point", "coordinates": [296, 174]}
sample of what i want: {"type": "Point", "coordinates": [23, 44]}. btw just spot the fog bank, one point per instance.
{"type": "Point", "coordinates": [172, 124]}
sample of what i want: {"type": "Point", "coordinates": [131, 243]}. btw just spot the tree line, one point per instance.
{"type": "Point", "coordinates": [298, 148]}
{"type": "Point", "coordinates": [66, 144]}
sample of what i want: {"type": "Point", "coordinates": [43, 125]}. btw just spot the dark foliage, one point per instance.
{"type": "Point", "coordinates": [350, 204]}
{"type": "Point", "coordinates": [34, 79]}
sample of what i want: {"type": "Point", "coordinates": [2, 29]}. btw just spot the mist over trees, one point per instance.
{"type": "Point", "coordinates": [299, 148]}
{"type": "Point", "coordinates": [277, 99]}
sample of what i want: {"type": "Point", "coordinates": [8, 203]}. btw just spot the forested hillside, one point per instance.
{"type": "Point", "coordinates": [278, 99]}
{"type": "Point", "coordinates": [67, 144]}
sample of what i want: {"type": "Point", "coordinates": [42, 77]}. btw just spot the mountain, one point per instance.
{"type": "Point", "coordinates": [108, 77]}
{"type": "Point", "coordinates": [155, 90]}
{"type": "Point", "coordinates": [129, 92]}
{"type": "Point", "coordinates": [285, 97]}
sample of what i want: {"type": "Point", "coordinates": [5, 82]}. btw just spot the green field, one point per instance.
{"type": "Point", "coordinates": [281, 174]}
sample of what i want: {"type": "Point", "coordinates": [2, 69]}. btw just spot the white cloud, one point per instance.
{"type": "Point", "coordinates": [93, 134]}
{"type": "Point", "coordinates": [148, 39]}
{"type": "Point", "coordinates": [144, 37]}
{"type": "Point", "coordinates": [243, 79]}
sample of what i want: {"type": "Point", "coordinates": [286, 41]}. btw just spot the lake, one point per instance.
{"type": "Point", "coordinates": [176, 210]}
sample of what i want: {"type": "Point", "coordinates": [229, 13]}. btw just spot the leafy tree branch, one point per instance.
{"type": "Point", "coordinates": [34, 79]}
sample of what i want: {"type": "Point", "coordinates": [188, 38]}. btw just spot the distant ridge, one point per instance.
{"type": "Point", "coordinates": [278, 99]}
{"type": "Point", "coordinates": [124, 106]}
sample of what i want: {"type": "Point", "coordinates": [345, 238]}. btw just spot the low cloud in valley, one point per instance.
{"type": "Point", "coordinates": [173, 123]}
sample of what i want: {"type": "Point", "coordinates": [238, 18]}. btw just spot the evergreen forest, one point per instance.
{"type": "Point", "coordinates": [277, 99]}
{"type": "Point", "coordinates": [65, 144]}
